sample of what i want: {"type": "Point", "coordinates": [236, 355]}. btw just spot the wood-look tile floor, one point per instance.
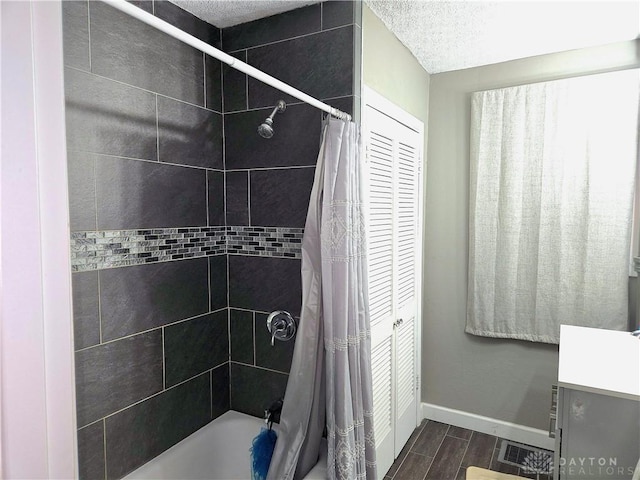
{"type": "Point", "coordinates": [437, 451]}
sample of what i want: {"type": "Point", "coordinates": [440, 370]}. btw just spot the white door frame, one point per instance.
{"type": "Point", "coordinates": [373, 99]}
{"type": "Point", "coordinates": [37, 388]}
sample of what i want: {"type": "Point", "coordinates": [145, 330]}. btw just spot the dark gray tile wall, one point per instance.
{"type": "Point", "coordinates": [127, 50]}
{"type": "Point", "coordinates": [143, 297]}
{"type": "Point", "coordinates": [91, 451]}
{"type": "Point", "coordinates": [144, 135]}
{"type": "Point", "coordinates": [145, 430]}
{"type": "Point", "coordinates": [189, 135]}
{"type": "Point", "coordinates": [265, 284]}
{"type": "Point", "coordinates": [148, 194]}
{"type": "Point", "coordinates": [254, 389]}
{"type": "Point", "coordinates": [164, 348]}
{"type": "Point", "coordinates": [195, 346]}
{"type": "Point", "coordinates": [113, 375]}
{"type": "Point", "coordinates": [86, 309]}
{"type": "Point", "coordinates": [268, 182]}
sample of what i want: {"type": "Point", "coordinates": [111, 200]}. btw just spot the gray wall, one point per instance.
{"type": "Point", "coordinates": [502, 379]}
{"type": "Point", "coordinates": [392, 70]}
{"type": "Point", "coordinates": [173, 223]}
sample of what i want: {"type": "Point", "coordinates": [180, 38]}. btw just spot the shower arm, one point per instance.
{"type": "Point", "coordinates": [280, 107]}
{"type": "Point", "coordinates": [253, 72]}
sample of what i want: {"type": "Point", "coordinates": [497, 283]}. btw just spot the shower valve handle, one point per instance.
{"type": "Point", "coordinates": [281, 325]}
{"type": "Point", "coordinates": [276, 330]}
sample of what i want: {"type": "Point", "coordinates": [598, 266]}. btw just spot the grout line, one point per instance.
{"type": "Point", "coordinates": [155, 162]}
{"type": "Point", "coordinates": [166, 228]}
{"type": "Point", "coordinates": [209, 284]}
{"type": "Point", "coordinates": [246, 81]}
{"type": "Point", "coordinates": [321, 16]}
{"type": "Point", "coordinates": [249, 310]}
{"type": "Point", "coordinates": [223, 103]}
{"type": "Point", "coordinates": [95, 189]}
{"type": "Point", "coordinates": [436, 454]}
{"type": "Point", "coordinates": [260, 367]}
{"type": "Point", "coordinates": [229, 331]}
{"type": "Point", "coordinates": [167, 261]}
{"type": "Point", "coordinates": [164, 364]}
{"type": "Point", "coordinates": [227, 280]}
{"type": "Point", "coordinates": [224, 139]}
{"type": "Point", "coordinates": [89, 31]}
{"type": "Point", "coordinates": [95, 197]}
{"type": "Point", "coordinates": [99, 308]}
{"type": "Point", "coordinates": [249, 197]}
{"type": "Point", "coordinates": [229, 371]}
{"type": "Point", "coordinates": [142, 89]}
{"type": "Point", "coordinates": [104, 439]}
{"type": "Point", "coordinates": [292, 103]}
{"type": "Point", "coordinates": [161, 392]}
{"type": "Point", "coordinates": [206, 195]}
{"type": "Point", "coordinates": [151, 329]}
{"type": "Point", "coordinates": [253, 337]}
{"type": "Point", "coordinates": [317, 32]}
{"type": "Point", "coordinates": [270, 168]}
{"type": "Point", "coordinates": [465, 451]}
{"type": "Point", "coordinates": [204, 75]}
{"type": "Point", "coordinates": [157, 130]}
{"type": "Point", "coordinates": [211, 393]}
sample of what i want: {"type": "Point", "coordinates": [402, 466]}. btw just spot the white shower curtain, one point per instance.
{"type": "Point", "coordinates": [331, 368]}
{"type": "Point", "coordinates": [551, 192]}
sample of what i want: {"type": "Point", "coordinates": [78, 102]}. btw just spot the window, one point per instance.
{"type": "Point", "coordinates": [553, 170]}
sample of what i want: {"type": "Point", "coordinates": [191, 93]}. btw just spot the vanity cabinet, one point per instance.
{"type": "Point", "coordinates": [597, 428]}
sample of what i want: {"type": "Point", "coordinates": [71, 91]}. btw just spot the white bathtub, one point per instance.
{"type": "Point", "coordinates": [218, 451]}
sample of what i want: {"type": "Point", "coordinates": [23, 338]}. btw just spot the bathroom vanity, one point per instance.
{"type": "Point", "coordinates": [597, 428]}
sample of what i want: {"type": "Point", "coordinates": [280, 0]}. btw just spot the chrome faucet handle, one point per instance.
{"type": "Point", "coordinates": [275, 332]}
{"type": "Point", "coordinates": [281, 325]}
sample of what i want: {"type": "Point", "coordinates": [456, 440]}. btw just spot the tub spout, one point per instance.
{"type": "Point", "coordinates": [272, 414]}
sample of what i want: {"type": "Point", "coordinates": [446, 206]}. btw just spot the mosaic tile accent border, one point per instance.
{"type": "Point", "coordinates": [265, 241]}
{"type": "Point", "coordinates": [97, 250]}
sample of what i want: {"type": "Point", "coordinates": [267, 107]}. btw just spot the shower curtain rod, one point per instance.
{"type": "Point", "coordinates": [184, 37]}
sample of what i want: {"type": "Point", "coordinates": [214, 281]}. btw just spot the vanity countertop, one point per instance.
{"type": "Point", "coordinates": [599, 361]}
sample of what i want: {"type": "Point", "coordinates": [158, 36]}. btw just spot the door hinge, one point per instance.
{"type": "Point", "coordinates": [417, 382]}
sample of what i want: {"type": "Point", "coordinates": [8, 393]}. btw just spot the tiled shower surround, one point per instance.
{"type": "Point", "coordinates": [185, 224]}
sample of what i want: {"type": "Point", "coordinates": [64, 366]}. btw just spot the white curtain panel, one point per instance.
{"type": "Point", "coordinates": [551, 199]}
{"type": "Point", "coordinates": [332, 357]}
{"type": "Point", "coordinates": [347, 333]}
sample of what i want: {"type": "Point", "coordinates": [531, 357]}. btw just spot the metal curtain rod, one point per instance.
{"type": "Point", "coordinates": [184, 37]}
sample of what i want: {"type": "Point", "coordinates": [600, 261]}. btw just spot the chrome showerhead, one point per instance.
{"type": "Point", "coordinates": [265, 130]}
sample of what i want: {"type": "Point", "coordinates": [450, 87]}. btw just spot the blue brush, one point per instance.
{"type": "Point", "coordinates": [261, 452]}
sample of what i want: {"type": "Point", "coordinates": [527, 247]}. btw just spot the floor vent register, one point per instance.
{"type": "Point", "coordinates": [530, 459]}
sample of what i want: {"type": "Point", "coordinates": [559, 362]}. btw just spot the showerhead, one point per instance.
{"type": "Point", "coordinates": [265, 130]}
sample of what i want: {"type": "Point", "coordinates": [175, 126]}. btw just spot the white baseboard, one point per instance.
{"type": "Point", "coordinates": [491, 426]}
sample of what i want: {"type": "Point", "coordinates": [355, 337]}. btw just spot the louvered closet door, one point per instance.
{"type": "Point", "coordinates": [392, 155]}
{"type": "Point", "coordinates": [407, 265]}
{"type": "Point", "coordinates": [380, 151]}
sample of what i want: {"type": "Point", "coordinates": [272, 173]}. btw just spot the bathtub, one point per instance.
{"type": "Point", "coordinates": [218, 451]}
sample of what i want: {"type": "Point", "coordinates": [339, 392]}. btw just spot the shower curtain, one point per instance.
{"type": "Point", "coordinates": [331, 367]}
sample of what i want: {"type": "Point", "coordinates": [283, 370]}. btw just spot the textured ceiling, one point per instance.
{"type": "Point", "coordinates": [452, 35]}
{"type": "Point", "coordinates": [226, 13]}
